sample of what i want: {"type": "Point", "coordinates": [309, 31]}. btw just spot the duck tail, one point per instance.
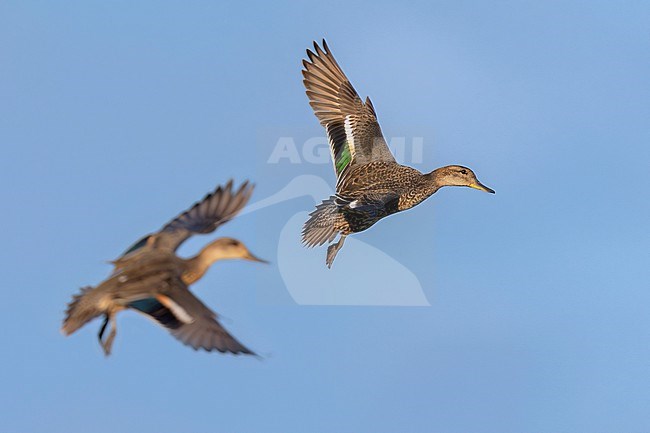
{"type": "Point", "coordinates": [319, 228]}
{"type": "Point", "coordinates": [81, 310]}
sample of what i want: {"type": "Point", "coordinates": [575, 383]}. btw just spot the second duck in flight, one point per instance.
{"type": "Point", "coordinates": [370, 183]}
{"type": "Point", "coordinates": [151, 279]}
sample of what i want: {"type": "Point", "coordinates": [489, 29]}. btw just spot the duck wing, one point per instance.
{"type": "Point", "coordinates": [176, 309]}
{"type": "Point", "coordinates": [372, 204]}
{"type": "Point", "coordinates": [205, 216]}
{"type": "Point", "coordinates": [352, 129]}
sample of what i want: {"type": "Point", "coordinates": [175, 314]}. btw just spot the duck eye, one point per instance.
{"type": "Point", "coordinates": [463, 171]}
{"type": "Point", "coordinates": [233, 243]}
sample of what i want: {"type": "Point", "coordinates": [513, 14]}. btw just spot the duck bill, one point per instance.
{"type": "Point", "coordinates": [481, 187]}
{"type": "Point", "coordinates": [254, 258]}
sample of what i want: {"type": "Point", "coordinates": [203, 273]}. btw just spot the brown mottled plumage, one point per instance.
{"type": "Point", "coordinates": [371, 184]}
{"type": "Point", "coordinates": [151, 279]}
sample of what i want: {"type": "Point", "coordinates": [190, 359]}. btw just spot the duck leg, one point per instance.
{"type": "Point", "coordinates": [102, 329]}
{"type": "Point", "coordinates": [108, 342]}
{"type": "Point", "coordinates": [333, 249]}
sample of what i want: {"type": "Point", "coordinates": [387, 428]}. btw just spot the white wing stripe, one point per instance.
{"type": "Point", "coordinates": [176, 309]}
{"type": "Point", "coordinates": [349, 135]}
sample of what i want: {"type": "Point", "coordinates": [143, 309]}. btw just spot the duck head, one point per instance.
{"type": "Point", "coordinates": [228, 248]}
{"type": "Point", "coordinates": [457, 175]}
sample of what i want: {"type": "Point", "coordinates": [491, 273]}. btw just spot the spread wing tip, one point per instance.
{"type": "Point", "coordinates": [317, 52]}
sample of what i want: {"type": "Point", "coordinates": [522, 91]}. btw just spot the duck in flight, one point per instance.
{"type": "Point", "coordinates": [370, 183]}
{"type": "Point", "coordinates": [151, 279]}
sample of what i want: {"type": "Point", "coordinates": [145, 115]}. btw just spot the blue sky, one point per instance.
{"type": "Point", "coordinates": [116, 116]}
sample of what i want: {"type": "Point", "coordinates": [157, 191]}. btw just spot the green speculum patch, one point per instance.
{"type": "Point", "coordinates": [343, 159]}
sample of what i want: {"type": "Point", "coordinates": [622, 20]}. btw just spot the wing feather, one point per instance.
{"type": "Point", "coordinates": [353, 131]}
{"type": "Point", "coordinates": [205, 216]}
{"type": "Point", "coordinates": [203, 331]}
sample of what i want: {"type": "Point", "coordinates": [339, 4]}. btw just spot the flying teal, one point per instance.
{"type": "Point", "coordinates": [151, 279]}
{"type": "Point", "coordinates": [370, 183]}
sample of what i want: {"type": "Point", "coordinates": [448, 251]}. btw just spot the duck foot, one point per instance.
{"type": "Point", "coordinates": [332, 250]}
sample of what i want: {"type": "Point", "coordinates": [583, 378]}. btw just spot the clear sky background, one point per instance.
{"type": "Point", "coordinates": [115, 116]}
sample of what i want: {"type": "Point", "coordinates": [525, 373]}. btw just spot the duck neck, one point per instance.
{"type": "Point", "coordinates": [432, 181]}
{"type": "Point", "coordinates": [198, 265]}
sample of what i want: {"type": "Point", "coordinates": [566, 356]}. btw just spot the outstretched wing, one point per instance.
{"type": "Point", "coordinates": [175, 308]}
{"type": "Point", "coordinates": [203, 217]}
{"type": "Point", "coordinates": [352, 129]}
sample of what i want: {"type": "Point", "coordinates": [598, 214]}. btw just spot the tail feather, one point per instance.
{"type": "Point", "coordinates": [320, 227]}
{"type": "Point", "coordinates": [81, 310]}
